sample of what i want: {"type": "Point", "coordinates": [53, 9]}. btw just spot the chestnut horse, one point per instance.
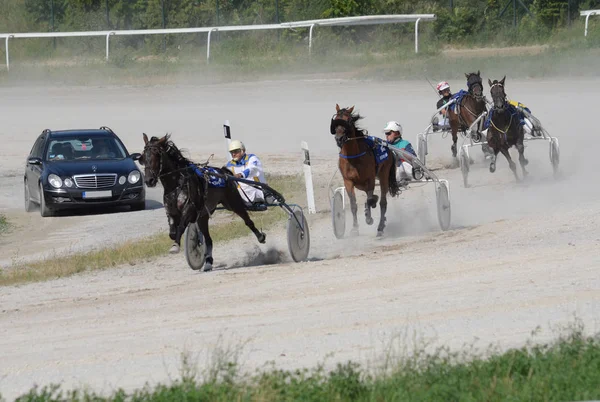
{"type": "Point", "coordinates": [466, 111]}
{"type": "Point", "coordinates": [360, 168]}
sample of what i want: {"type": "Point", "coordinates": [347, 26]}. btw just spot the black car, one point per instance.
{"type": "Point", "coordinates": [82, 168]}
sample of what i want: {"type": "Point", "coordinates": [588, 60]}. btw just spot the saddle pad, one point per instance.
{"type": "Point", "coordinates": [380, 150]}
{"type": "Point", "coordinates": [458, 96]}
{"type": "Point", "coordinates": [205, 172]}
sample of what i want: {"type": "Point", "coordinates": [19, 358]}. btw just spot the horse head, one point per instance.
{"type": "Point", "coordinates": [154, 158]}
{"type": "Point", "coordinates": [498, 94]}
{"type": "Point", "coordinates": [474, 84]}
{"type": "Point", "coordinates": [343, 125]}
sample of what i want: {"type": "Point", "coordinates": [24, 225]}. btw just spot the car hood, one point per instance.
{"type": "Point", "coordinates": [121, 166]}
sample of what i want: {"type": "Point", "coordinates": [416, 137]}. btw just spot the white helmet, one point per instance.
{"type": "Point", "coordinates": [236, 144]}
{"type": "Point", "coordinates": [442, 85]}
{"type": "Point", "coordinates": [393, 126]}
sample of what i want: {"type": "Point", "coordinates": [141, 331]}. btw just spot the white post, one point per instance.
{"type": "Point", "coordinates": [417, 35]}
{"type": "Point", "coordinates": [587, 18]}
{"type": "Point", "coordinates": [208, 45]}
{"type": "Point", "coordinates": [310, 34]}
{"type": "Point", "coordinates": [310, 194]}
{"type": "Point", "coordinates": [108, 36]}
{"type": "Point", "coordinates": [227, 133]}
{"type": "Point", "coordinates": [7, 58]}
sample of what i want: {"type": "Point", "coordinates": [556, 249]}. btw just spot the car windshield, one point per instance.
{"type": "Point", "coordinates": [84, 148]}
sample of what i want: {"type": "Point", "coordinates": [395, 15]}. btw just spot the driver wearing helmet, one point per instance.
{"type": "Point", "coordinates": [249, 167]}
{"type": "Point", "coordinates": [393, 135]}
{"type": "Point", "coordinates": [443, 89]}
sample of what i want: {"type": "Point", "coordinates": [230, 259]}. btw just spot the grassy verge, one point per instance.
{"type": "Point", "coordinates": [566, 369]}
{"type": "Point", "coordinates": [4, 225]}
{"type": "Point", "coordinates": [247, 59]}
{"type": "Point", "coordinates": [136, 251]}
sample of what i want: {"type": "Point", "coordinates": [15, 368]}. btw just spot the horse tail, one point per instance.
{"type": "Point", "coordinates": [394, 188]}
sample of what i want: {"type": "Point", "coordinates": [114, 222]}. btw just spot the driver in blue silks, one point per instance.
{"type": "Point", "coordinates": [249, 167]}
{"type": "Point", "coordinates": [393, 135]}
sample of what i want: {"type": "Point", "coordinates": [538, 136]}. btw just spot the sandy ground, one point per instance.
{"type": "Point", "coordinates": [518, 256]}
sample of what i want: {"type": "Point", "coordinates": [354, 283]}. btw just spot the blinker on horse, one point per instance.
{"type": "Point", "coordinates": [359, 166]}
{"type": "Point", "coordinates": [189, 197]}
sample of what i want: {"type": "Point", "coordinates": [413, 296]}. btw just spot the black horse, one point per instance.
{"type": "Point", "coordinates": [465, 112]}
{"type": "Point", "coordinates": [505, 129]}
{"type": "Point", "coordinates": [189, 197]}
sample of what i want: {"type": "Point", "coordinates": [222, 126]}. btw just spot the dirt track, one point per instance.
{"type": "Point", "coordinates": [518, 255]}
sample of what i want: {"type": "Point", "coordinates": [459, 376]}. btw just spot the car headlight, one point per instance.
{"type": "Point", "coordinates": [68, 182]}
{"type": "Point", "coordinates": [122, 180]}
{"type": "Point", "coordinates": [55, 181]}
{"type": "Point", "coordinates": [134, 177]}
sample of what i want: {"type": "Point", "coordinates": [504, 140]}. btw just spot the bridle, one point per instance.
{"type": "Point", "coordinates": [343, 139]}
{"type": "Point", "coordinates": [494, 107]}
{"type": "Point", "coordinates": [497, 84]}
{"type": "Point", "coordinates": [148, 149]}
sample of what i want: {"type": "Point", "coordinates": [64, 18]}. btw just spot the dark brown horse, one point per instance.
{"type": "Point", "coordinates": [505, 129]}
{"type": "Point", "coordinates": [465, 112]}
{"type": "Point", "coordinates": [189, 197]}
{"type": "Point", "coordinates": [359, 167]}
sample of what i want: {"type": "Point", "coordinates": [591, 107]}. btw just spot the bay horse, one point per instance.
{"type": "Point", "coordinates": [189, 197]}
{"type": "Point", "coordinates": [466, 111]}
{"type": "Point", "coordinates": [359, 167]}
{"type": "Point", "coordinates": [505, 129]}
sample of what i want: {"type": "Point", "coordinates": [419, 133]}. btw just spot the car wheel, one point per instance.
{"type": "Point", "coordinates": [44, 210]}
{"type": "Point", "coordinates": [140, 206]}
{"type": "Point", "coordinates": [29, 205]}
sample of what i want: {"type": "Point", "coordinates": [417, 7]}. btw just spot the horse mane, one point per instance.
{"type": "Point", "coordinates": [174, 152]}
{"type": "Point", "coordinates": [360, 132]}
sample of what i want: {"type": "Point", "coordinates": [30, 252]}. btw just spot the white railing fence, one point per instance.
{"type": "Point", "coordinates": [587, 14]}
{"type": "Point", "coordinates": [311, 24]}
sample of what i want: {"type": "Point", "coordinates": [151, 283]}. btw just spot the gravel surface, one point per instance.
{"type": "Point", "coordinates": [517, 256]}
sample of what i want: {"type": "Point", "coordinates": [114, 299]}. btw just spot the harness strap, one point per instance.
{"type": "Point", "coordinates": [353, 156]}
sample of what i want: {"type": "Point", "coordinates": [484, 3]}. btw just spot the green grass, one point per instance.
{"type": "Point", "coordinates": [4, 224]}
{"type": "Point", "coordinates": [137, 251]}
{"type": "Point", "coordinates": [565, 369]}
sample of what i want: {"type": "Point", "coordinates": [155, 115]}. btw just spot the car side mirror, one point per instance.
{"type": "Point", "coordinates": [135, 156]}
{"type": "Point", "coordinates": [34, 161]}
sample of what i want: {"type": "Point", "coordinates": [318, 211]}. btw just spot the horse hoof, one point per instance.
{"type": "Point", "coordinates": [492, 168]}
{"type": "Point", "coordinates": [525, 162]}
{"type": "Point", "coordinates": [174, 249]}
{"type": "Point", "coordinates": [207, 267]}
{"type": "Point", "coordinates": [369, 221]}
{"type": "Point", "coordinates": [262, 238]}
{"type": "Point", "coordinates": [380, 233]}
{"type": "Point", "coordinates": [354, 232]}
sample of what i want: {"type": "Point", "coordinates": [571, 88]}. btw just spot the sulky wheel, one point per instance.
{"type": "Point", "coordinates": [195, 247]}
{"type": "Point", "coordinates": [297, 238]}
{"type": "Point", "coordinates": [554, 155]}
{"type": "Point", "coordinates": [464, 167]}
{"type": "Point", "coordinates": [422, 150]}
{"type": "Point", "coordinates": [443, 205]}
{"type": "Point", "coordinates": [338, 215]}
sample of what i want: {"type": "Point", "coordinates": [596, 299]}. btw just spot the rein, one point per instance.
{"type": "Point", "coordinates": [352, 156]}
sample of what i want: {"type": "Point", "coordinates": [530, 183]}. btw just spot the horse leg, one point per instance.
{"type": "Point", "coordinates": [511, 164]}
{"type": "Point", "coordinates": [371, 203]}
{"type": "Point", "coordinates": [353, 207]}
{"type": "Point", "coordinates": [203, 227]}
{"type": "Point", "coordinates": [173, 231]}
{"type": "Point", "coordinates": [494, 156]}
{"type": "Point", "coordinates": [521, 148]}
{"type": "Point", "coordinates": [260, 236]}
{"type": "Point", "coordinates": [454, 141]}
{"type": "Point", "coordinates": [383, 184]}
